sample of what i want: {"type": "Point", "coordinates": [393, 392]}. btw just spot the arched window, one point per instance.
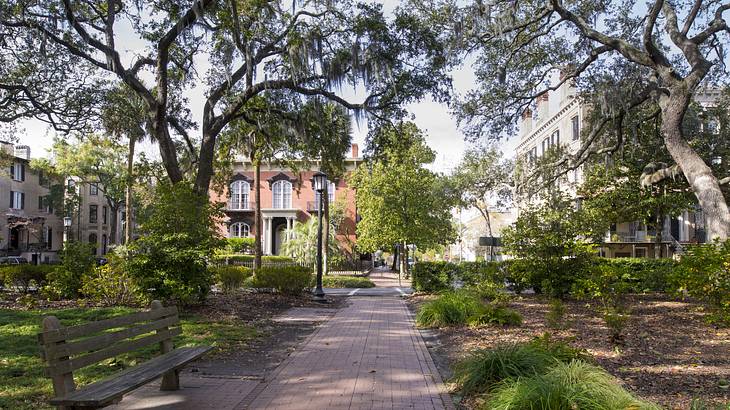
{"type": "Point", "coordinates": [93, 241]}
{"type": "Point", "coordinates": [282, 194]}
{"type": "Point", "coordinates": [239, 230]}
{"type": "Point", "coordinates": [331, 188]}
{"type": "Point", "coordinates": [239, 195]}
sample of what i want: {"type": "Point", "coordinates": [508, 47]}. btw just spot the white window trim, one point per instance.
{"type": "Point", "coordinates": [236, 229]}
{"type": "Point", "coordinates": [239, 194]}
{"type": "Point", "coordinates": [280, 186]}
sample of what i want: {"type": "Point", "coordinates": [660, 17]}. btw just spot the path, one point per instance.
{"type": "Point", "coordinates": [367, 356]}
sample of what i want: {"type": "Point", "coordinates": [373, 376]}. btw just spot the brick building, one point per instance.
{"type": "Point", "coordinates": [286, 197]}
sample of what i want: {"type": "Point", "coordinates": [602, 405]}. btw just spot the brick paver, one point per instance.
{"type": "Point", "coordinates": [368, 356]}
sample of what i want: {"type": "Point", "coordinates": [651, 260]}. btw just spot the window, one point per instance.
{"type": "Point", "coordinates": [239, 195]}
{"type": "Point", "coordinates": [42, 180]}
{"type": "Point", "coordinates": [103, 244]}
{"type": "Point", "coordinates": [331, 188]}
{"type": "Point", "coordinates": [282, 194]}
{"type": "Point", "coordinates": [239, 230]}
{"type": "Point", "coordinates": [575, 127]}
{"type": "Point", "coordinates": [44, 203]}
{"type": "Point", "coordinates": [545, 145]}
{"type": "Point", "coordinates": [17, 200]}
{"type": "Point", "coordinates": [17, 171]}
{"type": "Point", "coordinates": [94, 189]}
{"type": "Point", "coordinates": [41, 200]}
{"type": "Point", "coordinates": [93, 241]}
{"type": "Point", "coordinates": [48, 237]}
{"type": "Point", "coordinates": [93, 214]}
{"type": "Point", "coordinates": [555, 138]}
{"type": "Point", "coordinates": [104, 215]}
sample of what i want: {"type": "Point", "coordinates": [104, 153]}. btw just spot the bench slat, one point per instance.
{"type": "Point", "coordinates": [55, 351]}
{"type": "Point", "coordinates": [105, 391]}
{"type": "Point", "coordinates": [68, 366]}
{"type": "Point", "coordinates": [73, 332]}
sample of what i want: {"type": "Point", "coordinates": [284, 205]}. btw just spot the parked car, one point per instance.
{"type": "Point", "coordinates": [13, 260]}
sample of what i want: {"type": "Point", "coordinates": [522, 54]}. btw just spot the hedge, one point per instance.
{"type": "Point", "coordinates": [237, 257]}
{"type": "Point", "coordinates": [289, 280]}
{"type": "Point", "coordinates": [433, 277]}
{"type": "Point", "coordinates": [23, 276]}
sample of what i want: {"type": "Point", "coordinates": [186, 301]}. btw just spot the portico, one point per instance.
{"type": "Point", "coordinates": [276, 225]}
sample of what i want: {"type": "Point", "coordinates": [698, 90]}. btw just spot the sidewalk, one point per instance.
{"type": "Point", "coordinates": [368, 356]}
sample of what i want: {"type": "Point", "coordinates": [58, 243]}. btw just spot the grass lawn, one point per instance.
{"type": "Point", "coordinates": [344, 281]}
{"type": "Point", "coordinates": [22, 385]}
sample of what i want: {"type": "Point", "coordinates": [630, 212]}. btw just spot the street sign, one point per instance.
{"type": "Point", "coordinates": [490, 241]}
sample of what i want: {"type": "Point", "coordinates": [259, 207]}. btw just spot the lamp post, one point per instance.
{"type": "Point", "coordinates": [319, 180]}
{"type": "Point", "coordinates": [66, 226]}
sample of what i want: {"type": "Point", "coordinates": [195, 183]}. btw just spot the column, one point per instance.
{"type": "Point", "coordinates": [269, 248]}
{"type": "Point", "coordinates": [264, 242]}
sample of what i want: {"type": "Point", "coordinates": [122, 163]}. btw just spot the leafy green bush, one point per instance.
{"type": "Point", "coordinates": [111, 283]}
{"type": "Point", "coordinates": [491, 291]}
{"type": "Point", "coordinates": [240, 245]}
{"type": "Point", "coordinates": [346, 282]}
{"type": "Point", "coordinates": [573, 385]}
{"type": "Point", "coordinates": [432, 277]}
{"type": "Point", "coordinates": [449, 309]}
{"type": "Point", "coordinates": [230, 277]}
{"type": "Point", "coordinates": [290, 280]}
{"type": "Point", "coordinates": [77, 260]}
{"type": "Point", "coordinates": [474, 273]}
{"type": "Point", "coordinates": [704, 273]}
{"type": "Point", "coordinates": [178, 235]}
{"type": "Point", "coordinates": [484, 369]}
{"type": "Point", "coordinates": [493, 314]}
{"type": "Point", "coordinates": [556, 314]}
{"type": "Point", "coordinates": [25, 276]}
{"type": "Point", "coordinates": [616, 319]}
{"type": "Point", "coordinates": [645, 274]}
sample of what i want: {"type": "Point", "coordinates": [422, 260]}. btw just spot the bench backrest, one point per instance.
{"type": "Point", "coordinates": [69, 348]}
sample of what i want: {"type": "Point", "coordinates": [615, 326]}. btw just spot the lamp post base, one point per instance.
{"type": "Point", "coordinates": [318, 295]}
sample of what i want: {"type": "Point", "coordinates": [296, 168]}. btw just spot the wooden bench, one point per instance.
{"type": "Point", "coordinates": [69, 348]}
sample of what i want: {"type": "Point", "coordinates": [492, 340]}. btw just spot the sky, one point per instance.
{"type": "Point", "coordinates": [443, 135]}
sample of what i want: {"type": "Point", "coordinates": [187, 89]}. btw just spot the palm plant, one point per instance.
{"type": "Point", "coordinates": [302, 242]}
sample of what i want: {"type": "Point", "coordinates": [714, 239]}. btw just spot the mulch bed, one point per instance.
{"type": "Point", "coordinates": [669, 355]}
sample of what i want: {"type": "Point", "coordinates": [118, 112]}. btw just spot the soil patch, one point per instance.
{"type": "Point", "coordinates": [670, 355]}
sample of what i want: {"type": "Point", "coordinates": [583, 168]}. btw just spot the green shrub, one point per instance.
{"type": "Point", "coordinates": [289, 280]}
{"type": "Point", "coordinates": [574, 385]}
{"type": "Point", "coordinates": [645, 274]}
{"type": "Point", "coordinates": [493, 314]}
{"type": "Point", "coordinates": [230, 277]}
{"type": "Point", "coordinates": [449, 309]}
{"type": "Point", "coordinates": [474, 273]}
{"type": "Point", "coordinates": [483, 369]}
{"type": "Point", "coordinates": [240, 245]}
{"type": "Point", "coordinates": [606, 281]}
{"type": "Point", "coordinates": [616, 320]}
{"type": "Point", "coordinates": [178, 235]}
{"type": "Point", "coordinates": [346, 282]}
{"type": "Point", "coordinates": [111, 283]}
{"type": "Point", "coordinates": [704, 273]}
{"type": "Point", "coordinates": [432, 277]}
{"type": "Point", "coordinates": [491, 291]}
{"type": "Point", "coordinates": [25, 276]}
{"type": "Point", "coordinates": [77, 260]}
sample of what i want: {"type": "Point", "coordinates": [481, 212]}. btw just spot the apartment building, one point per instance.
{"type": "Point", "coordinates": [92, 219]}
{"type": "Point", "coordinates": [30, 227]}
{"type": "Point", "coordinates": [286, 197]}
{"type": "Point", "coordinates": [559, 122]}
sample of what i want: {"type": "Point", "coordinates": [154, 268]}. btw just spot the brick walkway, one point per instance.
{"type": "Point", "coordinates": [367, 356]}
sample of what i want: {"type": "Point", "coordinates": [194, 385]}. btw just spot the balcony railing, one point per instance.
{"type": "Point", "coordinates": [240, 205]}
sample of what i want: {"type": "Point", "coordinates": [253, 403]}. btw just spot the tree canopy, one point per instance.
{"type": "Point", "coordinates": [399, 200]}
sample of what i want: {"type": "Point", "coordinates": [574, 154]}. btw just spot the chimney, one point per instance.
{"type": "Point", "coordinates": [543, 107]}
{"type": "Point", "coordinates": [22, 151]}
{"type": "Point", "coordinates": [567, 89]}
{"type": "Point", "coordinates": [355, 151]}
{"type": "Point", "coordinates": [526, 123]}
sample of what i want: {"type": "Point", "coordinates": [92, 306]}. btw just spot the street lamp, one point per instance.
{"type": "Point", "coordinates": [66, 226]}
{"type": "Point", "coordinates": [319, 179]}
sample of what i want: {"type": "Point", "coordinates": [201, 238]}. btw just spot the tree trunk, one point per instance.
{"type": "Point", "coordinates": [128, 194]}
{"type": "Point", "coordinates": [659, 232]}
{"type": "Point", "coordinates": [205, 163]}
{"type": "Point", "coordinates": [167, 148]}
{"type": "Point", "coordinates": [704, 184]}
{"type": "Point", "coordinates": [113, 226]}
{"type": "Point", "coordinates": [394, 265]}
{"type": "Point", "coordinates": [326, 229]}
{"type": "Point", "coordinates": [257, 213]}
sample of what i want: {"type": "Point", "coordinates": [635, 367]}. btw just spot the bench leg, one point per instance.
{"type": "Point", "coordinates": [170, 381]}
